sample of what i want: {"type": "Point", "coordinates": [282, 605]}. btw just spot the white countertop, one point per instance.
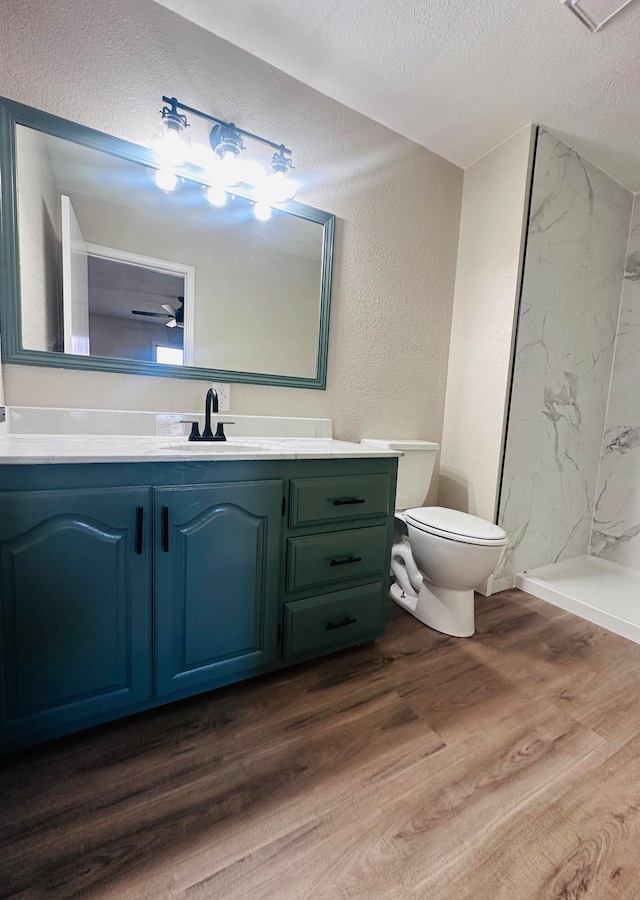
{"type": "Point", "coordinates": [22, 449]}
{"type": "Point", "coordinates": [59, 435]}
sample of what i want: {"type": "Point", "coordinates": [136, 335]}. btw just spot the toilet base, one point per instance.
{"type": "Point", "coordinates": [443, 609]}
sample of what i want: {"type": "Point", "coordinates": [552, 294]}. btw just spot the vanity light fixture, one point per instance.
{"type": "Point", "coordinates": [227, 166]}
{"type": "Point", "coordinates": [277, 185]}
{"type": "Point", "coordinates": [227, 145]}
{"type": "Point", "coordinates": [170, 140]}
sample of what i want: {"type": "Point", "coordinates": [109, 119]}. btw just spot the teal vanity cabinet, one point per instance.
{"type": "Point", "coordinates": [217, 568]}
{"type": "Point", "coordinates": [338, 551]}
{"type": "Point", "coordinates": [124, 586]}
{"type": "Point", "coordinates": [75, 617]}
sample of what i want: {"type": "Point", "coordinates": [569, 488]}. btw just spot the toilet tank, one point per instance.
{"type": "Point", "coordinates": [415, 468]}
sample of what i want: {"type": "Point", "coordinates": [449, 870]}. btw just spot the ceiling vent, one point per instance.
{"type": "Point", "coordinates": [595, 13]}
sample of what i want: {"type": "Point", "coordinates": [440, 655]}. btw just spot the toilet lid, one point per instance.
{"type": "Point", "coordinates": [455, 525]}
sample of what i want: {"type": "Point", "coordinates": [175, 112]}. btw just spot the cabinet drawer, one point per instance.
{"type": "Point", "coordinates": [329, 558]}
{"type": "Point", "coordinates": [316, 500]}
{"type": "Point", "coordinates": [338, 619]}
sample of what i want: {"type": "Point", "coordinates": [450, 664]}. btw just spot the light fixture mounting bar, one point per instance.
{"type": "Point", "coordinates": [595, 13]}
{"type": "Point", "coordinates": [202, 115]}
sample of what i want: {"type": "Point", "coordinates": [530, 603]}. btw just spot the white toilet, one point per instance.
{"type": "Point", "coordinates": [444, 554]}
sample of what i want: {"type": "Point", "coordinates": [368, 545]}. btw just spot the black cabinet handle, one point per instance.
{"type": "Point", "coordinates": [348, 501]}
{"type": "Point", "coordinates": [345, 561]}
{"type": "Point", "coordinates": [139, 523]}
{"type": "Point", "coordinates": [345, 621]}
{"type": "Point", "coordinates": [165, 528]}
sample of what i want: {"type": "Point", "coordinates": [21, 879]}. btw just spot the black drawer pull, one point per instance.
{"type": "Point", "coordinates": [139, 521]}
{"type": "Point", "coordinates": [165, 529]}
{"type": "Point", "coordinates": [345, 621]}
{"type": "Point", "coordinates": [346, 561]}
{"type": "Point", "coordinates": [348, 501]}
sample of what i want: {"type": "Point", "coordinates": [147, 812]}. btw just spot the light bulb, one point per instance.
{"type": "Point", "coordinates": [280, 187]}
{"type": "Point", "coordinates": [171, 143]}
{"type": "Point", "coordinates": [166, 179]}
{"type": "Point", "coordinates": [216, 195]}
{"type": "Point", "coordinates": [262, 211]}
{"type": "Point", "coordinates": [231, 168]}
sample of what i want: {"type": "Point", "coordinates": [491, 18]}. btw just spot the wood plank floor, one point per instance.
{"type": "Point", "coordinates": [501, 767]}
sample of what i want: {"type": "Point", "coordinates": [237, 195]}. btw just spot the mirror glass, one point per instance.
{"type": "Point", "coordinates": [115, 273]}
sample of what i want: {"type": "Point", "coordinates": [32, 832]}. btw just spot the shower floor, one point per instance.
{"type": "Point", "coordinates": [600, 591]}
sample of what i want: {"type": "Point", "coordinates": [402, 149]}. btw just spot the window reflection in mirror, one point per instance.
{"type": "Point", "coordinates": [168, 355]}
{"type": "Point", "coordinates": [112, 267]}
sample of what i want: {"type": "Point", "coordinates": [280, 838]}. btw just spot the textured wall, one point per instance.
{"type": "Point", "coordinates": [616, 524]}
{"type": "Point", "coordinates": [571, 288]}
{"type": "Point", "coordinates": [487, 277]}
{"type": "Point", "coordinates": [106, 64]}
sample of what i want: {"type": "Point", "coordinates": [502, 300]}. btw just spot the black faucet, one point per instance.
{"type": "Point", "coordinates": [210, 405]}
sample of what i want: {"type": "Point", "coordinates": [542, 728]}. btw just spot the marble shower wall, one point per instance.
{"type": "Point", "coordinates": [616, 524]}
{"type": "Point", "coordinates": [572, 281]}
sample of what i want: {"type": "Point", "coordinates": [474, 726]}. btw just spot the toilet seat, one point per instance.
{"type": "Point", "coordinates": [453, 525]}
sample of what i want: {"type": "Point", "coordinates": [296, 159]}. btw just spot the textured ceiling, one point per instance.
{"type": "Point", "coordinates": [456, 76]}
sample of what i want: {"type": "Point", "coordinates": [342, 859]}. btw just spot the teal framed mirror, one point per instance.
{"type": "Point", "coordinates": [103, 270]}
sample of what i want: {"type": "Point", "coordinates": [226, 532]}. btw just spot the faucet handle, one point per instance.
{"type": "Point", "coordinates": [220, 435]}
{"type": "Point", "coordinates": [195, 429]}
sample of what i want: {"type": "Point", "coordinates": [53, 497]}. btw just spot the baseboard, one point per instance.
{"type": "Point", "coordinates": [494, 585]}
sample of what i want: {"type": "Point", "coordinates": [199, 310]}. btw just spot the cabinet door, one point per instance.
{"type": "Point", "coordinates": [75, 608]}
{"type": "Point", "coordinates": [216, 587]}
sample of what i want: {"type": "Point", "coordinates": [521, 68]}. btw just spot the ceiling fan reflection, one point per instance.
{"type": "Point", "coordinates": [175, 314]}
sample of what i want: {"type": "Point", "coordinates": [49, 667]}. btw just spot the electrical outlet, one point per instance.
{"type": "Point", "coordinates": [224, 395]}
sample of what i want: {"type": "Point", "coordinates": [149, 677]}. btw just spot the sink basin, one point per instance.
{"type": "Point", "coordinates": [220, 448]}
